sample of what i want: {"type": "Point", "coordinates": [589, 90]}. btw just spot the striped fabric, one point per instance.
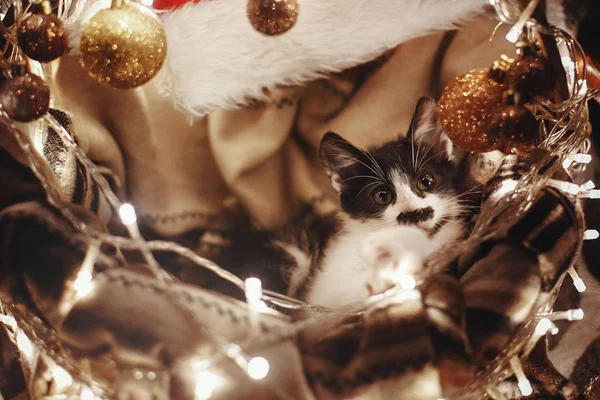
{"type": "Point", "coordinates": [73, 177]}
{"type": "Point", "coordinates": [462, 320]}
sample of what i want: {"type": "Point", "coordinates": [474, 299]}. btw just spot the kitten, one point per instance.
{"type": "Point", "coordinates": [398, 204]}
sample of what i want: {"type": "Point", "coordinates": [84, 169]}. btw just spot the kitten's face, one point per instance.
{"type": "Point", "coordinates": [409, 182]}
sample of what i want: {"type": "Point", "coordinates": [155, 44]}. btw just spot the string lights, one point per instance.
{"type": "Point", "coordinates": [258, 368]}
{"type": "Point", "coordinates": [577, 281]}
{"type": "Point", "coordinates": [522, 381]}
{"type": "Point", "coordinates": [565, 141]}
{"type": "Point", "coordinates": [206, 383]}
{"type": "Point", "coordinates": [253, 290]}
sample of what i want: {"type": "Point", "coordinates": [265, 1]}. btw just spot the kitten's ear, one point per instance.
{"type": "Point", "coordinates": [340, 158]}
{"type": "Point", "coordinates": [426, 129]}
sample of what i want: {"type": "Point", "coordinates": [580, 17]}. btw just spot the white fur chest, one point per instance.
{"type": "Point", "coordinates": [354, 260]}
{"type": "Point", "coordinates": [344, 272]}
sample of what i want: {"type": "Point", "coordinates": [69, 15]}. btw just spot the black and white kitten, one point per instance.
{"type": "Point", "coordinates": [398, 204]}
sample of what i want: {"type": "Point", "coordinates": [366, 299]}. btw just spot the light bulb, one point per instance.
{"type": "Point", "coordinates": [127, 214]}
{"type": "Point", "coordinates": [575, 315]}
{"type": "Point", "coordinates": [581, 158]}
{"type": "Point", "coordinates": [522, 381]}
{"type": "Point", "coordinates": [579, 285]}
{"type": "Point", "coordinates": [258, 368]}
{"type": "Point", "coordinates": [525, 387]}
{"type": "Point", "coordinates": [8, 320]}
{"type": "Point", "coordinates": [87, 394]}
{"type": "Point", "coordinates": [591, 234]}
{"type": "Point", "coordinates": [407, 282]}
{"type": "Point", "coordinates": [589, 185]}
{"type": "Point", "coordinates": [25, 346]}
{"type": "Point", "coordinates": [253, 289]}
{"type": "Point", "coordinates": [83, 283]}
{"type": "Point", "coordinates": [261, 306]}
{"type": "Point", "coordinates": [61, 377]}
{"type": "Point", "coordinates": [543, 326]}
{"type": "Point", "coordinates": [206, 383]}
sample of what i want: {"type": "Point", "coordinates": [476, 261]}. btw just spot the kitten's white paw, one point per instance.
{"type": "Point", "coordinates": [394, 255]}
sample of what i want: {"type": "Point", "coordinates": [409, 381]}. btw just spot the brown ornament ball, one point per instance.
{"type": "Point", "coordinates": [532, 78]}
{"type": "Point", "coordinates": [123, 47]}
{"type": "Point", "coordinates": [273, 17]}
{"type": "Point", "coordinates": [513, 128]}
{"type": "Point", "coordinates": [25, 97]}
{"type": "Point", "coordinates": [466, 106]}
{"type": "Point", "coordinates": [42, 37]}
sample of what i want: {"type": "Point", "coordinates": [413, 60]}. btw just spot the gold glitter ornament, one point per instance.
{"type": "Point", "coordinates": [123, 46]}
{"type": "Point", "coordinates": [272, 17]}
{"type": "Point", "coordinates": [466, 106]}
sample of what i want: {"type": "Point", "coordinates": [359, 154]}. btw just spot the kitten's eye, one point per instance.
{"type": "Point", "coordinates": [425, 182]}
{"type": "Point", "coordinates": [382, 197]}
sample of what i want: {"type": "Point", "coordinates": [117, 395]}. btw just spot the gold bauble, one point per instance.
{"type": "Point", "coordinates": [272, 17]}
{"type": "Point", "coordinates": [123, 46]}
{"type": "Point", "coordinates": [466, 107]}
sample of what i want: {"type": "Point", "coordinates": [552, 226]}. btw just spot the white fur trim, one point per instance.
{"type": "Point", "coordinates": [216, 60]}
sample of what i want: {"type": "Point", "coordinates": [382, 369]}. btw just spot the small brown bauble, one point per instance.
{"type": "Point", "coordinates": [532, 78]}
{"type": "Point", "coordinates": [466, 106]}
{"type": "Point", "coordinates": [513, 128]}
{"type": "Point", "coordinates": [42, 37]}
{"type": "Point", "coordinates": [273, 17]}
{"type": "Point", "coordinates": [25, 97]}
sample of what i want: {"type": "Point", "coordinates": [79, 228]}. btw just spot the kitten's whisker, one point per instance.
{"type": "Point", "coordinates": [466, 192]}
{"type": "Point", "coordinates": [421, 164]}
{"type": "Point", "coordinates": [375, 163]}
{"type": "Point", "coordinates": [473, 188]}
{"type": "Point", "coordinates": [459, 225]}
{"type": "Point", "coordinates": [361, 162]}
{"type": "Point", "coordinates": [363, 176]}
{"type": "Point", "coordinates": [366, 186]}
{"type": "Point", "coordinates": [429, 159]}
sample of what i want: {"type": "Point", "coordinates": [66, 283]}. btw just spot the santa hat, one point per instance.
{"type": "Point", "coordinates": [217, 60]}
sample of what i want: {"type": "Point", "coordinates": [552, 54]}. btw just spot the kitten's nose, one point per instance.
{"type": "Point", "coordinates": [415, 216]}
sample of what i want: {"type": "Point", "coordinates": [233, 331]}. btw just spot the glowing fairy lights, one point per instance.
{"type": "Point", "coordinates": [87, 394]}
{"type": "Point", "coordinates": [83, 284]}
{"type": "Point", "coordinates": [25, 346]}
{"type": "Point", "coordinates": [253, 291]}
{"type": "Point", "coordinates": [576, 158]}
{"type": "Point", "coordinates": [591, 234]}
{"type": "Point", "coordinates": [543, 326]}
{"type": "Point", "coordinates": [399, 272]}
{"type": "Point", "coordinates": [522, 381]}
{"type": "Point", "coordinates": [127, 214]}
{"type": "Point", "coordinates": [61, 377]}
{"type": "Point", "coordinates": [567, 187]}
{"type": "Point", "coordinates": [258, 368]}
{"type": "Point", "coordinates": [206, 383]}
{"type": "Point", "coordinates": [590, 194]}
{"type": "Point", "coordinates": [586, 187]}
{"type": "Point", "coordinates": [577, 281]}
